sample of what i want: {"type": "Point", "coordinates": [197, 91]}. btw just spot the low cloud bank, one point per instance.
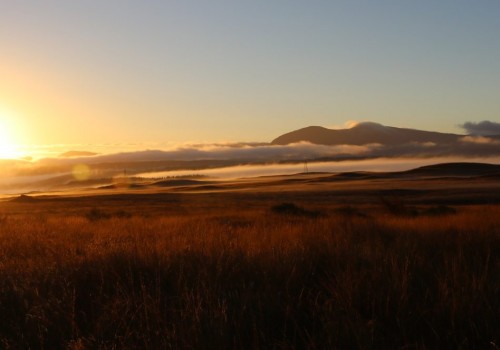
{"type": "Point", "coordinates": [244, 152]}
{"type": "Point", "coordinates": [52, 173]}
{"type": "Point", "coordinates": [247, 153]}
{"type": "Point", "coordinates": [483, 128]}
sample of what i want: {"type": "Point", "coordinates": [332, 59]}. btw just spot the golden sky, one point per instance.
{"type": "Point", "coordinates": [88, 72]}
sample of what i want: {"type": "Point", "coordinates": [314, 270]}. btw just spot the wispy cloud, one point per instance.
{"type": "Point", "coordinates": [481, 140]}
{"type": "Point", "coordinates": [347, 125]}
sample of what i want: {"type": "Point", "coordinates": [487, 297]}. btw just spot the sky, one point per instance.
{"type": "Point", "coordinates": [153, 71]}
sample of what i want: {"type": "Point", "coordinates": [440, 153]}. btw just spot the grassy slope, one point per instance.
{"type": "Point", "coordinates": [252, 279]}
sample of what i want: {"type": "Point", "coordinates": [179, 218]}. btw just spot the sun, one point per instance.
{"type": "Point", "coordinates": [8, 149]}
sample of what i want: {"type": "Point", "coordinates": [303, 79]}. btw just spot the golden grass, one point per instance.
{"type": "Point", "coordinates": [252, 279]}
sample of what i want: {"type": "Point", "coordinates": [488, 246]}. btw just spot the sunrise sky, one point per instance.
{"type": "Point", "coordinates": [98, 72]}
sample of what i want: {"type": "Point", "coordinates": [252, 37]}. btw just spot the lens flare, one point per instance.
{"type": "Point", "coordinates": [81, 172]}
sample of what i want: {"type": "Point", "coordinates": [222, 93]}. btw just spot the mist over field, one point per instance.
{"type": "Point", "coordinates": [368, 165]}
{"type": "Point", "coordinates": [233, 160]}
{"type": "Point", "coordinates": [360, 141]}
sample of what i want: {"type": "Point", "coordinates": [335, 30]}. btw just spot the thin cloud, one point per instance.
{"type": "Point", "coordinates": [347, 125]}
{"type": "Point", "coordinates": [480, 140]}
{"type": "Point", "coordinates": [483, 128]}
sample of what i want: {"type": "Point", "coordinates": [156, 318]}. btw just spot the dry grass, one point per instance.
{"type": "Point", "coordinates": [251, 280]}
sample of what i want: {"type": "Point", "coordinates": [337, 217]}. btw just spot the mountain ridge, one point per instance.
{"type": "Point", "coordinates": [364, 133]}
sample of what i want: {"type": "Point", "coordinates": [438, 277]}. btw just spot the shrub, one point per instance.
{"type": "Point", "coordinates": [96, 214]}
{"type": "Point", "coordinates": [398, 206]}
{"type": "Point", "coordinates": [439, 210]}
{"type": "Point", "coordinates": [350, 211]}
{"type": "Point", "coordinates": [292, 209]}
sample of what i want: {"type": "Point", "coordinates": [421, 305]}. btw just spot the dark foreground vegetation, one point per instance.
{"type": "Point", "coordinates": [350, 278]}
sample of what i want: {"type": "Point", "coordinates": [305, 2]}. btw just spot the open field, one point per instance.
{"type": "Point", "coordinates": [305, 261]}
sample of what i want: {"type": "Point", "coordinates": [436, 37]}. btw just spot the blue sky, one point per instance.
{"type": "Point", "coordinates": [181, 71]}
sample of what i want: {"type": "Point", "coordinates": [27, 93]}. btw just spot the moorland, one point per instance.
{"type": "Point", "coordinates": [407, 260]}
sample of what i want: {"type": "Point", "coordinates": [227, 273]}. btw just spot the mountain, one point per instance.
{"type": "Point", "coordinates": [364, 133]}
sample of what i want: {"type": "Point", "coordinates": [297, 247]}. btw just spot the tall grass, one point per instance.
{"type": "Point", "coordinates": [251, 280]}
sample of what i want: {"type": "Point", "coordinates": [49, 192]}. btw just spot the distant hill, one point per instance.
{"type": "Point", "coordinates": [24, 199]}
{"type": "Point", "coordinates": [71, 154]}
{"type": "Point", "coordinates": [364, 133]}
{"type": "Point", "coordinates": [456, 169]}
